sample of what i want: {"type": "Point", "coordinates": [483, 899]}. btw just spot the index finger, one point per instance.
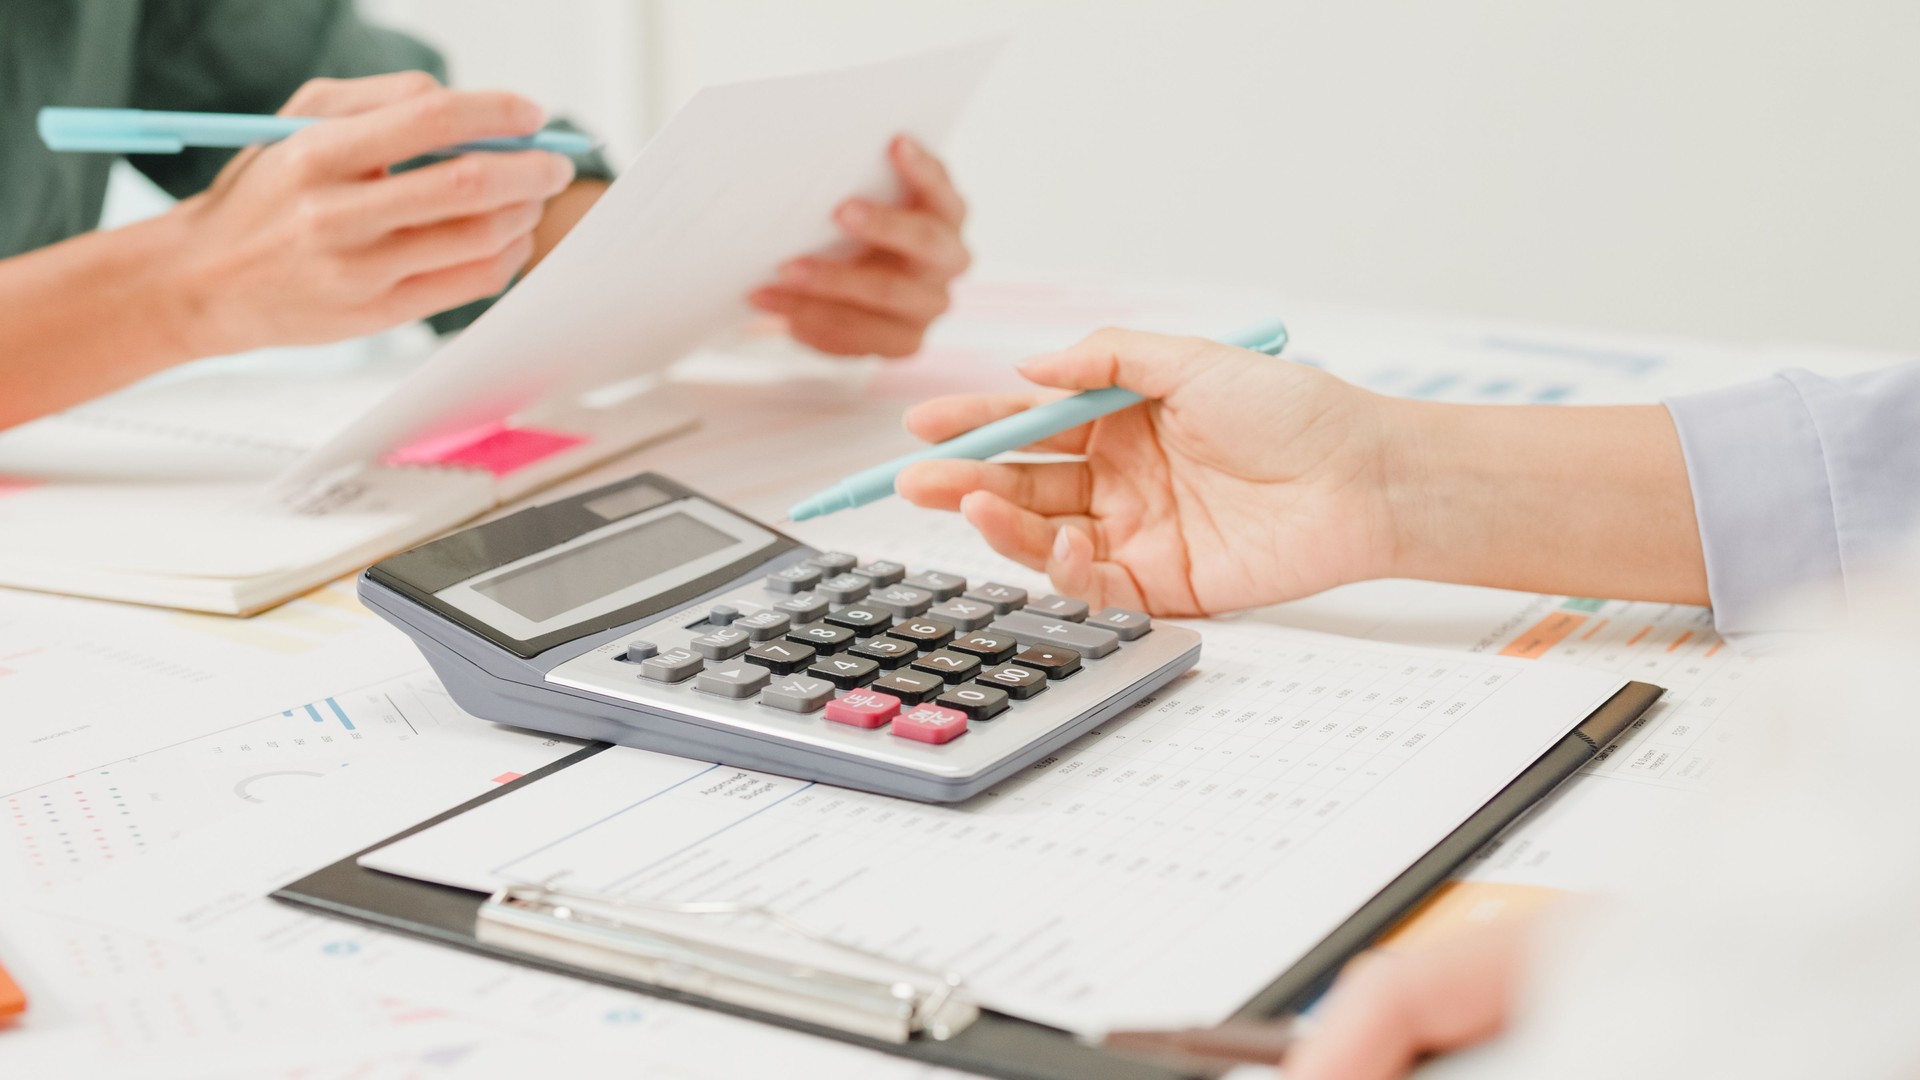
{"type": "Point", "coordinates": [927, 181]}
{"type": "Point", "coordinates": [943, 418]}
{"type": "Point", "coordinates": [405, 129]}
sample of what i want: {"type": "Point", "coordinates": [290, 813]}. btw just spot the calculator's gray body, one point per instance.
{"type": "Point", "coordinates": [580, 686]}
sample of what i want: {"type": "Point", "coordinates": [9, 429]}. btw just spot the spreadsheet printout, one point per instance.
{"type": "Point", "coordinates": [1161, 870]}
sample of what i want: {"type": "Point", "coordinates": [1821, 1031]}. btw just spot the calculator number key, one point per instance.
{"type": "Point", "coordinates": [925, 633]}
{"type": "Point", "coordinates": [1019, 682]}
{"type": "Point", "coordinates": [953, 667]}
{"type": "Point", "coordinates": [845, 672]}
{"type": "Point", "coordinates": [781, 657]}
{"type": "Point", "coordinates": [862, 619]}
{"type": "Point", "coordinates": [888, 652]}
{"type": "Point", "coordinates": [975, 701]}
{"type": "Point", "coordinates": [674, 665]}
{"type": "Point", "coordinates": [930, 724]}
{"type": "Point", "coordinates": [912, 687]}
{"type": "Point", "coordinates": [1056, 662]}
{"type": "Point", "coordinates": [990, 646]}
{"type": "Point", "coordinates": [864, 709]}
{"type": "Point", "coordinates": [794, 578]}
{"type": "Point", "coordinates": [823, 638]}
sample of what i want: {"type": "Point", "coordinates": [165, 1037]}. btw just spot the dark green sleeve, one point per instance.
{"type": "Point", "coordinates": [249, 56]}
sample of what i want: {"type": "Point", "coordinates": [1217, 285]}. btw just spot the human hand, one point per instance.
{"type": "Point", "coordinates": [311, 240]}
{"type": "Point", "coordinates": [882, 298]}
{"type": "Point", "coordinates": [1390, 1009]}
{"type": "Point", "coordinates": [1243, 480]}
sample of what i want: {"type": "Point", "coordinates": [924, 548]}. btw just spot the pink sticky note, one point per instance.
{"type": "Point", "coordinates": [499, 449]}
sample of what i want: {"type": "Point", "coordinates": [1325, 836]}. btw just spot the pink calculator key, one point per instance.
{"type": "Point", "coordinates": [864, 708]}
{"type": "Point", "coordinates": [931, 723]}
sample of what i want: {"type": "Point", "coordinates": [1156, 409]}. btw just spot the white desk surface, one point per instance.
{"type": "Point", "coordinates": [110, 978]}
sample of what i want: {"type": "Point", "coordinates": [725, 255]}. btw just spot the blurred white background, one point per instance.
{"type": "Point", "coordinates": [1740, 170]}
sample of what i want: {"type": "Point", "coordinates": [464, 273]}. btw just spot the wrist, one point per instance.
{"type": "Point", "coordinates": [1418, 462]}
{"type": "Point", "coordinates": [174, 297]}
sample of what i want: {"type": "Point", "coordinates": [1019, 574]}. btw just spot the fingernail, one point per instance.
{"type": "Point", "coordinates": [913, 148]}
{"type": "Point", "coordinates": [1034, 361]}
{"type": "Point", "coordinates": [564, 170]}
{"type": "Point", "coordinates": [1062, 546]}
{"type": "Point", "coordinates": [797, 271]}
{"type": "Point", "coordinates": [854, 213]}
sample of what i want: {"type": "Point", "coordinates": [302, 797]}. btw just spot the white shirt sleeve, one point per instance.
{"type": "Point", "coordinates": [1800, 483]}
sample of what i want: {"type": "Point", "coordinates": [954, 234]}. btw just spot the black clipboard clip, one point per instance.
{"type": "Point", "coordinates": [700, 948]}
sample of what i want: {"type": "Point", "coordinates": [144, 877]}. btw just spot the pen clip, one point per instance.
{"type": "Point", "coordinates": [849, 987]}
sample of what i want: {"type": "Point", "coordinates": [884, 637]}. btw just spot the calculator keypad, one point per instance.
{"type": "Point", "coordinates": [887, 656]}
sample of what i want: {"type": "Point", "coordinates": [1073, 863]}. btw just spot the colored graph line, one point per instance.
{"type": "Point", "coordinates": [313, 713]}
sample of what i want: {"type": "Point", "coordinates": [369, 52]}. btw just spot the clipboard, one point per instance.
{"type": "Point", "coordinates": [995, 1044]}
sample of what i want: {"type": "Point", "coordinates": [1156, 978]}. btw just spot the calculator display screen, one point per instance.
{"type": "Point", "coordinates": [548, 587]}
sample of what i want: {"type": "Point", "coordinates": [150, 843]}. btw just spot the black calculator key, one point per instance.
{"type": "Point", "coordinates": [823, 637]}
{"type": "Point", "coordinates": [834, 562]}
{"type": "Point", "coordinates": [804, 607]}
{"type": "Point", "coordinates": [1127, 623]}
{"type": "Point", "coordinates": [963, 613]}
{"type": "Point", "coordinates": [888, 652]}
{"type": "Point", "coordinates": [762, 625]}
{"type": "Point", "coordinates": [977, 701]}
{"type": "Point", "coordinates": [942, 586]}
{"type": "Point", "coordinates": [1059, 607]}
{"type": "Point", "coordinates": [844, 588]}
{"type": "Point", "coordinates": [797, 578]}
{"type": "Point", "coordinates": [781, 657]}
{"type": "Point", "coordinates": [926, 633]}
{"type": "Point", "coordinates": [911, 687]}
{"type": "Point", "coordinates": [1019, 682]}
{"type": "Point", "coordinates": [723, 643]}
{"type": "Point", "coordinates": [1058, 663]}
{"type": "Point", "coordinates": [845, 671]}
{"type": "Point", "coordinates": [904, 601]}
{"type": "Point", "coordinates": [952, 666]}
{"type": "Point", "coordinates": [989, 646]}
{"type": "Point", "coordinates": [674, 665]}
{"type": "Point", "coordinates": [882, 572]}
{"type": "Point", "coordinates": [1004, 598]}
{"type": "Point", "coordinates": [862, 619]}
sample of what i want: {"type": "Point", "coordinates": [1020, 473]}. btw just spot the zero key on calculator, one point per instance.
{"type": "Point", "coordinates": [645, 613]}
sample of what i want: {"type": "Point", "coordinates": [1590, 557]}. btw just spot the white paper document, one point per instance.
{"type": "Point", "coordinates": [1159, 871]}
{"type": "Point", "coordinates": [743, 177]}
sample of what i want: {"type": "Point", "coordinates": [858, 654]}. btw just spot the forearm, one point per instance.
{"type": "Point", "coordinates": [1589, 501]}
{"type": "Point", "coordinates": [87, 316]}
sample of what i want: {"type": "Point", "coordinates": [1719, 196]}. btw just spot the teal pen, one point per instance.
{"type": "Point", "coordinates": [1011, 433]}
{"type": "Point", "coordinates": [143, 131]}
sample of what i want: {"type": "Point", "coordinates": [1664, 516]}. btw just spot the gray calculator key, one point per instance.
{"type": "Point", "coordinates": [882, 572]}
{"type": "Point", "coordinates": [1032, 629]}
{"type": "Point", "coordinates": [834, 562]}
{"type": "Point", "coordinates": [1128, 624]}
{"type": "Point", "coordinates": [805, 607]}
{"type": "Point", "coordinates": [943, 586]}
{"type": "Point", "coordinates": [640, 650]}
{"type": "Point", "coordinates": [722, 643]}
{"type": "Point", "coordinates": [763, 625]}
{"type": "Point", "coordinates": [904, 601]}
{"type": "Point", "coordinates": [1004, 598]}
{"type": "Point", "coordinates": [844, 588]}
{"type": "Point", "coordinates": [1059, 607]}
{"type": "Point", "coordinates": [795, 578]}
{"type": "Point", "coordinates": [674, 665]}
{"type": "Point", "coordinates": [965, 614]}
{"type": "Point", "coordinates": [799, 693]}
{"type": "Point", "coordinates": [736, 680]}
{"type": "Point", "coordinates": [722, 614]}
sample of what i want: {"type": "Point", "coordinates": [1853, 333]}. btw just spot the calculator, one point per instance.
{"type": "Point", "coordinates": [646, 614]}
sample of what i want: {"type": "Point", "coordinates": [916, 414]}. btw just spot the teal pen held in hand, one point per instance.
{"type": "Point", "coordinates": [142, 131]}
{"type": "Point", "coordinates": [1011, 433]}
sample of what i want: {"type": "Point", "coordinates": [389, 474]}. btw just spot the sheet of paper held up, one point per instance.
{"type": "Point", "coordinates": [1160, 871]}
{"type": "Point", "coordinates": [742, 178]}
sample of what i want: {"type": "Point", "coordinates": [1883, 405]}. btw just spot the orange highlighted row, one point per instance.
{"type": "Point", "coordinates": [1679, 641]}
{"type": "Point", "coordinates": [1534, 642]}
{"type": "Point", "coordinates": [1644, 631]}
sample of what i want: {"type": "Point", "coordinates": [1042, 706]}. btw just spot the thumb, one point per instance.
{"type": "Point", "coordinates": [1070, 564]}
{"type": "Point", "coordinates": [1152, 365]}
